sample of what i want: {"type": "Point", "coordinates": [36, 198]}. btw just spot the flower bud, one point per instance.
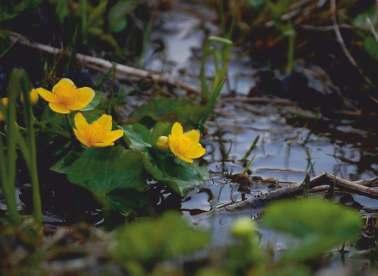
{"type": "Point", "coordinates": [162, 142]}
{"type": "Point", "coordinates": [4, 101]}
{"type": "Point", "coordinates": [243, 227]}
{"type": "Point", "coordinates": [33, 96]}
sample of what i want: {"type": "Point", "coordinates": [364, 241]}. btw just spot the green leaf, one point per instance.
{"type": "Point", "coordinates": [126, 200]}
{"type": "Point", "coordinates": [371, 47]}
{"type": "Point", "coordinates": [118, 15]}
{"type": "Point", "coordinates": [152, 240]}
{"type": "Point", "coordinates": [160, 129]}
{"type": "Point", "coordinates": [162, 165]}
{"type": "Point", "coordinates": [61, 9]}
{"type": "Point", "coordinates": [220, 40]}
{"type": "Point", "coordinates": [10, 10]}
{"type": "Point", "coordinates": [104, 170]}
{"type": "Point", "coordinates": [97, 14]}
{"type": "Point", "coordinates": [138, 136]}
{"type": "Point", "coordinates": [66, 161]}
{"type": "Point", "coordinates": [256, 4]}
{"type": "Point", "coordinates": [168, 109]}
{"type": "Point", "coordinates": [176, 174]}
{"type": "Point", "coordinates": [362, 18]}
{"type": "Point", "coordinates": [319, 224]}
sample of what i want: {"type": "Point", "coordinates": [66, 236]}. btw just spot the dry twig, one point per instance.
{"type": "Point", "coordinates": [316, 184]}
{"type": "Point", "coordinates": [122, 72]}
{"type": "Point", "coordinates": [352, 186]}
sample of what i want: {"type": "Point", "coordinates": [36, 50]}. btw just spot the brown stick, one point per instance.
{"type": "Point", "coordinates": [266, 196]}
{"type": "Point", "coordinates": [122, 72]}
{"type": "Point", "coordinates": [316, 184]}
{"type": "Point", "coordinates": [342, 183]}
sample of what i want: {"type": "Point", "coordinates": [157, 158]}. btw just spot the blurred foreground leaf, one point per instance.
{"type": "Point", "coordinates": [319, 225]}
{"type": "Point", "coordinates": [152, 240]}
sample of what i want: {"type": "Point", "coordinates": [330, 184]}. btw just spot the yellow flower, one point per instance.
{"type": "Point", "coordinates": [66, 97]}
{"type": "Point", "coordinates": [97, 134]}
{"type": "Point", "coordinates": [185, 145]}
{"type": "Point", "coordinates": [4, 101]}
{"type": "Point", "coordinates": [33, 96]}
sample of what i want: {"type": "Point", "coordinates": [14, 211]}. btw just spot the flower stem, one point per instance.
{"type": "Point", "coordinates": [33, 167]}
{"type": "Point", "coordinates": [9, 185]}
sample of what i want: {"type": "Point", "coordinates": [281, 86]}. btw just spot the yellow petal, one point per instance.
{"type": "Point", "coordinates": [194, 135]}
{"type": "Point", "coordinates": [45, 94]}
{"type": "Point", "coordinates": [103, 144]}
{"type": "Point", "coordinates": [59, 108]}
{"type": "Point", "coordinates": [114, 135]}
{"type": "Point", "coordinates": [82, 138]}
{"type": "Point", "coordinates": [177, 129]}
{"type": "Point", "coordinates": [83, 98]}
{"type": "Point", "coordinates": [64, 88]}
{"type": "Point", "coordinates": [173, 143]}
{"type": "Point", "coordinates": [33, 96]}
{"type": "Point", "coordinates": [104, 122]}
{"type": "Point", "coordinates": [185, 158]}
{"type": "Point", "coordinates": [80, 121]}
{"type": "Point", "coordinates": [66, 81]}
{"type": "Point", "coordinates": [196, 151]}
{"type": "Point", "coordinates": [175, 146]}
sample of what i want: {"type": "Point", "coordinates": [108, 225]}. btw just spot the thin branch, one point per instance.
{"type": "Point", "coordinates": [352, 186]}
{"type": "Point", "coordinates": [316, 184]}
{"type": "Point", "coordinates": [122, 72]}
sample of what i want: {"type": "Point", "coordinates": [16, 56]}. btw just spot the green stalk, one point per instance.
{"type": "Point", "coordinates": [3, 172]}
{"type": "Point", "coordinates": [9, 186]}
{"type": "Point", "coordinates": [221, 61]}
{"type": "Point", "coordinates": [84, 19]}
{"type": "Point", "coordinates": [33, 169]}
{"type": "Point", "coordinates": [203, 79]}
{"type": "Point", "coordinates": [251, 148]}
{"type": "Point", "coordinates": [23, 147]}
{"type": "Point", "coordinates": [290, 50]}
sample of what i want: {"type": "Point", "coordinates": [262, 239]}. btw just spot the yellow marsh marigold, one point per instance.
{"type": "Point", "coordinates": [185, 145]}
{"type": "Point", "coordinates": [4, 103]}
{"type": "Point", "coordinates": [66, 97]}
{"type": "Point", "coordinates": [33, 96]}
{"type": "Point", "coordinates": [97, 134]}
